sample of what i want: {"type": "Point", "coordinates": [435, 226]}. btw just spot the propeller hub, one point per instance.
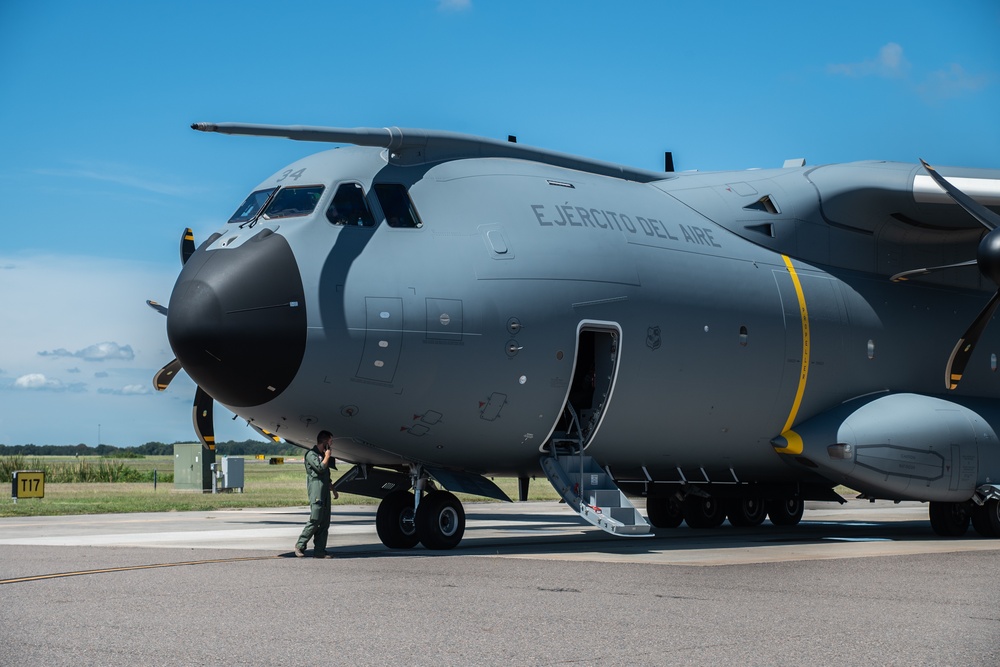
{"type": "Point", "coordinates": [988, 256]}
{"type": "Point", "coordinates": [237, 319]}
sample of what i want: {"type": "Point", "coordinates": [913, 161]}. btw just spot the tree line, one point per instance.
{"type": "Point", "coordinates": [228, 448]}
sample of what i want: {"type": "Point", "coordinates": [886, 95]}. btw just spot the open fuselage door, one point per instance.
{"type": "Point", "coordinates": [594, 370]}
{"type": "Point", "coordinates": [579, 479]}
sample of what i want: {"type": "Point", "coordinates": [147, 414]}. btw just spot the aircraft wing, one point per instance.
{"type": "Point", "coordinates": [877, 217]}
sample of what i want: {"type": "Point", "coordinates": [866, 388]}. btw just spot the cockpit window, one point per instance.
{"type": "Point", "coordinates": [291, 202]}
{"type": "Point", "coordinates": [396, 204]}
{"type": "Point", "coordinates": [252, 205]}
{"type": "Point", "coordinates": [349, 207]}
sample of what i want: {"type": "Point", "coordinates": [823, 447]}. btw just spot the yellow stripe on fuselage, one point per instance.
{"type": "Point", "coordinates": [795, 443]}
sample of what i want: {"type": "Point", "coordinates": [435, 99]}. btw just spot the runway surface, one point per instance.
{"type": "Point", "coordinates": [530, 584]}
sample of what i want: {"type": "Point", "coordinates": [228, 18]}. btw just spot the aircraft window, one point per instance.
{"type": "Point", "coordinates": [396, 205]}
{"type": "Point", "coordinates": [349, 207]}
{"type": "Point", "coordinates": [252, 205]}
{"type": "Point", "coordinates": [291, 202]}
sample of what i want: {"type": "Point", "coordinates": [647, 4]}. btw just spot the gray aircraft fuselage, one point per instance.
{"type": "Point", "coordinates": [709, 328]}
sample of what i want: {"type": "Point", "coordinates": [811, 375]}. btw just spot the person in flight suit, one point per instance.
{"type": "Point", "coordinates": [318, 462]}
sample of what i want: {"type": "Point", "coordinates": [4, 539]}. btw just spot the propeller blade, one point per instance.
{"type": "Point", "coordinates": [967, 343]}
{"type": "Point", "coordinates": [204, 424]}
{"type": "Point", "coordinates": [158, 307]}
{"type": "Point", "coordinates": [165, 375]}
{"type": "Point", "coordinates": [187, 245]}
{"type": "Point", "coordinates": [986, 217]}
{"type": "Point", "coordinates": [906, 275]}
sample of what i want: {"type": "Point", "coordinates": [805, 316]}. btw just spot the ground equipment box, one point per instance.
{"type": "Point", "coordinates": [193, 467]}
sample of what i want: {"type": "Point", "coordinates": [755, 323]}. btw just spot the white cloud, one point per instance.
{"type": "Point", "coordinates": [935, 86]}
{"type": "Point", "coordinates": [99, 352]}
{"type": "Point", "coordinates": [83, 310]}
{"type": "Point", "coordinates": [951, 82]}
{"type": "Point", "coordinates": [39, 382]}
{"type": "Point", "coordinates": [128, 390]}
{"type": "Point", "coordinates": [33, 381]}
{"type": "Point", "coordinates": [52, 302]}
{"type": "Point", "coordinates": [890, 63]}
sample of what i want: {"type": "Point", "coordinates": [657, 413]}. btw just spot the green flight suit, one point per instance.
{"type": "Point", "coordinates": [318, 488]}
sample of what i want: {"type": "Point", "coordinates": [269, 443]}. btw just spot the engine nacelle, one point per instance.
{"type": "Point", "coordinates": [897, 446]}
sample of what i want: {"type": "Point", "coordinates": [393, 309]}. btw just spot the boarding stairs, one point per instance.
{"type": "Point", "coordinates": [589, 489]}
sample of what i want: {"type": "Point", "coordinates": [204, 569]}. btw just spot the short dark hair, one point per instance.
{"type": "Point", "coordinates": [323, 435]}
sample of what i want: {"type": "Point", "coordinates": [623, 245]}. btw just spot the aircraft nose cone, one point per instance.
{"type": "Point", "coordinates": [237, 320]}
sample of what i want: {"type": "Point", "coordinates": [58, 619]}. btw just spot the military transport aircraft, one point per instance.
{"type": "Point", "coordinates": [725, 344]}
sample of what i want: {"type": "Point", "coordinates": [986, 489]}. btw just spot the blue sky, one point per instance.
{"type": "Point", "coordinates": [100, 173]}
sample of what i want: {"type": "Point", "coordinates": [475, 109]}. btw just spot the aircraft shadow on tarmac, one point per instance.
{"type": "Point", "coordinates": [554, 535]}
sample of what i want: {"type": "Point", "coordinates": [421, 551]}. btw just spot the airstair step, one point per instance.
{"type": "Point", "coordinates": [594, 494]}
{"type": "Point", "coordinates": [626, 515]}
{"type": "Point", "coordinates": [590, 480]}
{"type": "Point", "coordinates": [605, 498]}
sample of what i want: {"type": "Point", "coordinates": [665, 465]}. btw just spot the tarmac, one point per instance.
{"type": "Point", "coordinates": [530, 584]}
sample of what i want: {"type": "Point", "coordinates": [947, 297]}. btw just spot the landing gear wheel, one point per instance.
{"type": "Point", "coordinates": [703, 512]}
{"type": "Point", "coordinates": [440, 520]}
{"type": "Point", "coordinates": [986, 519]}
{"type": "Point", "coordinates": [785, 512]}
{"type": "Point", "coordinates": [746, 511]}
{"type": "Point", "coordinates": [394, 521]}
{"type": "Point", "coordinates": [664, 512]}
{"type": "Point", "coordinates": [949, 519]}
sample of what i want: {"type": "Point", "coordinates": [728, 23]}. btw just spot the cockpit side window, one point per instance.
{"type": "Point", "coordinates": [252, 205]}
{"type": "Point", "coordinates": [397, 206]}
{"type": "Point", "coordinates": [294, 201]}
{"type": "Point", "coordinates": [349, 207]}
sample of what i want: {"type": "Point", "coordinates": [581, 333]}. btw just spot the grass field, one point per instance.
{"type": "Point", "coordinates": [265, 486]}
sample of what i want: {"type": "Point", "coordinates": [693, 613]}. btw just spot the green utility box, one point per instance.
{"type": "Point", "coordinates": [193, 467]}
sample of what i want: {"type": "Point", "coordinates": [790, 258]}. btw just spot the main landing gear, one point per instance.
{"type": "Point", "coordinates": [708, 512]}
{"type": "Point", "coordinates": [952, 519]}
{"type": "Point", "coordinates": [437, 520]}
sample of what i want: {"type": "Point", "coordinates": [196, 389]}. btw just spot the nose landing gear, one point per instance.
{"type": "Point", "coordinates": [440, 520]}
{"type": "Point", "coordinates": [435, 519]}
{"type": "Point", "coordinates": [394, 521]}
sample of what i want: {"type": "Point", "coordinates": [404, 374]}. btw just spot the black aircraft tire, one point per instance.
{"type": "Point", "coordinates": [664, 512]}
{"type": "Point", "coordinates": [440, 520]}
{"type": "Point", "coordinates": [986, 519]}
{"type": "Point", "coordinates": [785, 512]}
{"type": "Point", "coordinates": [394, 521]}
{"type": "Point", "coordinates": [745, 512]}
{"type": "Point", "coordinates": [703, 512]}
{"type": "Point", "coordinates": [949, 519]}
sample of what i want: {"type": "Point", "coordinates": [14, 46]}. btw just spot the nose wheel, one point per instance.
{"type": "Point", "coordinates": [438, 522]}
{"type": "Point", "coordinates": [394, 521]}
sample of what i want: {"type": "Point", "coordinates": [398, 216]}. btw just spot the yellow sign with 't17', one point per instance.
{"type": "Point", "coordinates": [27, 484]}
